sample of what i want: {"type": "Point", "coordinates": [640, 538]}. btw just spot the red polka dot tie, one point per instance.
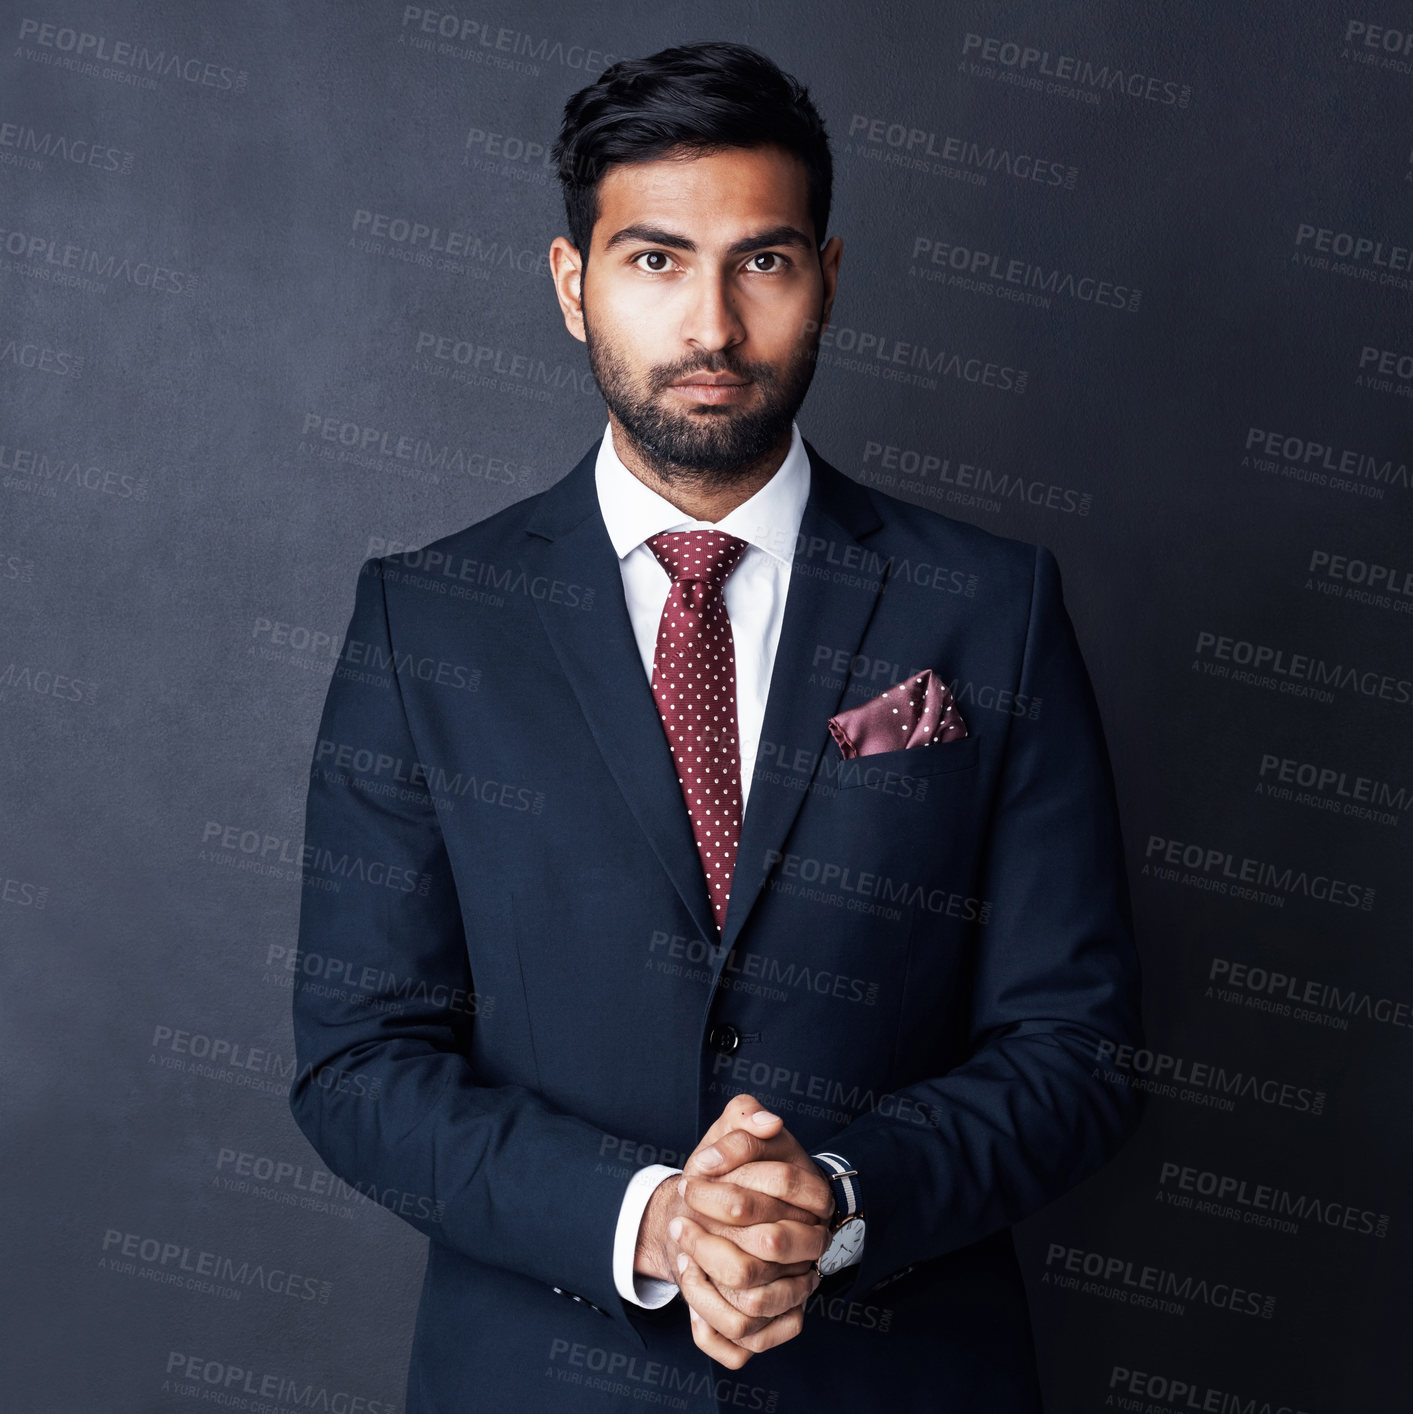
{"type": "Point", "coordinates": [694, 686]}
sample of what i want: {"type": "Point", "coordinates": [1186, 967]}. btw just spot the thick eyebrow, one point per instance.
{"type": "Point", "coordinates": [760, 240]}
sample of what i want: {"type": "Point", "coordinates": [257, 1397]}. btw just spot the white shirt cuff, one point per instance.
{"type": "Point", "coordinates": [650, 1292]}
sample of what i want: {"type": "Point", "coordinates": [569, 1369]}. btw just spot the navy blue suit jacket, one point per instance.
{"type": "Point", "coordinates": [510, 996]}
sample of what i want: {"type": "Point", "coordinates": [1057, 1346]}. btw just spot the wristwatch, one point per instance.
{"type": "Point", "coordinates": [847, 1225]}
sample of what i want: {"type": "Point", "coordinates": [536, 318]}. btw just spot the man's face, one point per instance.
{"type": "Point", "coordinates": [703, 267]}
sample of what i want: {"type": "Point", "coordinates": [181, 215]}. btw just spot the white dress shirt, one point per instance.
{"type": "Point", "coordinates": [755, 591]}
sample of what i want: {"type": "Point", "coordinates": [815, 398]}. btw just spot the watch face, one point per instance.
{"type": "Point", "coordinates": [848, 1238]}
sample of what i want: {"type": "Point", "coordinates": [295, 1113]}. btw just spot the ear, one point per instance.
{"type": "Point", "coordinates": [567, 272]}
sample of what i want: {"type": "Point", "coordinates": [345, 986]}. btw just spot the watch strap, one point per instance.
{"type": "Point", "coordinates": [843, 1178]}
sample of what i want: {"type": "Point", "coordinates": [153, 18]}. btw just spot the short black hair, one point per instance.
{"type": "Point", "coordinates": [704, 96]}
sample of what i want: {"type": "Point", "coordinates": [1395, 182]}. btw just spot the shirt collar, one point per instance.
{"type": "Point", "coordinates": [770, 519]}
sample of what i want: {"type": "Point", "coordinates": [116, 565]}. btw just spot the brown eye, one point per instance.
{"type": "Point", "coordinates": [652, 255]}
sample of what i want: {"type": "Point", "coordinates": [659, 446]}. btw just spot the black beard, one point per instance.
{"type": "Point", "coordinates": [711, 447]}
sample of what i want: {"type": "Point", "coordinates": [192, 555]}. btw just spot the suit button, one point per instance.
{"type": "Point", "coordinates": [724, 1038]}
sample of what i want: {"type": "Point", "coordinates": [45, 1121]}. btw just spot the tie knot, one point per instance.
{"type": "Point", "coordinates": [706, 555]}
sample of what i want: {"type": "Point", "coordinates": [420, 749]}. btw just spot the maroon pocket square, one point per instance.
{"type": "Point", "coordinates": [919, 711]}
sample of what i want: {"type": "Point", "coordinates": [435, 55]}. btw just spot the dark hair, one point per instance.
{"type": "Point", "coordinates": [704, 97]}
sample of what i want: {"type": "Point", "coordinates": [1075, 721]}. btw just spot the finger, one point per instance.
{"type": "Point", "coordinates": [719, 1257]}
{"type": "Point", "coordinates": [739, 1114]}
{"type": "Point", "coordinates": [729, 1150]}
{"type": "Point", "coordinates": [805, 1189]}
{"type": "Point", "coordinates": [772, 1270]}
{"type": "Point", "coordinates": [730, 1202]}
{"type": "Point", "coordinates": [782, 1244]}
{"type": "Point", "coordinates": [729, 1264]}
{"type": "Point", "coordinates": [696, 1291]}
{"type": "Point", "coordinates": [723, 1351]}
{"type": "Point", "coordinates": [784, 1327]}
{"type": "Point", "coordinates": [773, 1298]}
{"type": "Point", "coordinates": [716, 1320]}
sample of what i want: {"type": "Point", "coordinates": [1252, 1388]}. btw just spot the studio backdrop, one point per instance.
{"type": "Point", "coordinates": [1131, 281]}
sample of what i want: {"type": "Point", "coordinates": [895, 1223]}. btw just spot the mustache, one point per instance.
{"type": "Point", "coordinates": [757, 373]}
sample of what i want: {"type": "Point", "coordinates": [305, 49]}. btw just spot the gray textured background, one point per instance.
{"type": "Point", "coordinates": [197, 318]}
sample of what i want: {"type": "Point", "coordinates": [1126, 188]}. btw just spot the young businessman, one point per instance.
{"type": "Point", "coordinates": [776, 831]}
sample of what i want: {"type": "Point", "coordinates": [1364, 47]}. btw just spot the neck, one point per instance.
{"type": "Point", "coordinates": [701, 495]}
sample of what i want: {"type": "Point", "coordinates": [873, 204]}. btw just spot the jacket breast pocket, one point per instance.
{"type": "Point", "coordinates": [891, 772]}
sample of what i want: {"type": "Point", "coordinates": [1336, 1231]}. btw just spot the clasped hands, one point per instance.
{"type": "Point", "coordinates": [740, 1236]}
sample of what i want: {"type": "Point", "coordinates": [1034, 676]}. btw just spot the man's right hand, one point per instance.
{"type": "Point", "coordinates": [767, 1296]}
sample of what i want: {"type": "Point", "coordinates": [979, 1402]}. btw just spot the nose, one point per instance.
{"type": "Point", "coordinates": [711, 321]}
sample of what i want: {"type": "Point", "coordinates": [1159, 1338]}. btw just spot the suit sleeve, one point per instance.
{"type": "Point", "coordinates": [384, 1006]}
{"type": "Point", "coordinates": [1035, 1108]}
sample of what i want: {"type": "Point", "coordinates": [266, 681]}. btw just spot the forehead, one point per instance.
{"type": "Point", "coordinates": [717, 193]}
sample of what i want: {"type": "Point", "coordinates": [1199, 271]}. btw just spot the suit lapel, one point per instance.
{"type": "Point", "coordinates": [834, 585]}
{"type": "Point", "coordinates": [567, 540]}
